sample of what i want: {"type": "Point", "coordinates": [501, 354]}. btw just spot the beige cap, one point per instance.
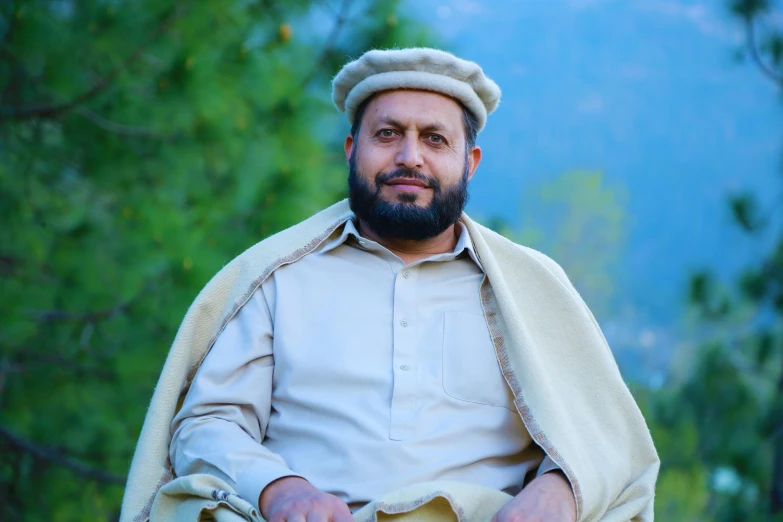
{"type": "Point", "coordinates": [415, 68]}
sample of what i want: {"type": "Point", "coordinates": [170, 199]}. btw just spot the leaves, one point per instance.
{"type": "Point", "coordinates": [701, 288]}
{"type": "Point", "coordinates": [588, 220]}
{"type": "Point", "coordinates": [731, 394]}
{"type": "Point", "coordinates": [119, 206]}
{"type": "Point", "coordinates": [744, 209]}
{"type": "Point", "coordinates": [774, 47]}
{"type": "Point", "coordinates": [710, 300]}
{"type": "Point", "coordinates": [748, 9]}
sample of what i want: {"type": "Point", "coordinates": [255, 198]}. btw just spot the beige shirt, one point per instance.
{"type": "Point", "coordinates": [360, 374]}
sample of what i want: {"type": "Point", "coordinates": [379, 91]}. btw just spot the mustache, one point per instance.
{"type": "Point", "coordinates": [403, 172]}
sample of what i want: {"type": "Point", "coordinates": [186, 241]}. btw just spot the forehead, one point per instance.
{"type": "Point", "coordinates": [415, 108]}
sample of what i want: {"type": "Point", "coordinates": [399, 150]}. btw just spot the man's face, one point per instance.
{"type": "Point", "coordinates": [409, 166]}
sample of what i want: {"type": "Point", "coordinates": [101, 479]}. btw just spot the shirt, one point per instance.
{"type": "Point", "coordinates": [362, 375]}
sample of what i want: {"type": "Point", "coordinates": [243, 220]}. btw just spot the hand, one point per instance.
{"type": "Point", "coordinates": [293, 499]}
{"type": "Point", "coordinates": [548, 498]}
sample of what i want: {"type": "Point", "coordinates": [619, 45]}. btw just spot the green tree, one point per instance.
{"type": "Point", "coordinates": [723, 425]}
{"type": "Point", "coordinates": [143, 144]}
{"type": "Point", "coordinates": [585, 230]}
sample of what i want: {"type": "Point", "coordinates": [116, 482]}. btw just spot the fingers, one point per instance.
{"type": "Point", "coordinates": [342, 514]}
{"type": "Point", "coordinates": [292, 499]}
{"type": "Point", "coordinates": [318, 516]}
{"type": "Point", "coordinates": [323, 514]}
{"type": "Point", "coordinates": [320, 508]}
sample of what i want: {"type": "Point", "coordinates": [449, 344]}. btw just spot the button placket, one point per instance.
{"type": "Point", "coordinates": [405, 390]}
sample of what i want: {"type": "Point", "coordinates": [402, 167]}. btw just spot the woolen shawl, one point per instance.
{"type": "Point", "coordinates": [566, 384]}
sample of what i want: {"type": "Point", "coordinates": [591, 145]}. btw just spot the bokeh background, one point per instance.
{"type": "Point", "coordinates": [145, 143]}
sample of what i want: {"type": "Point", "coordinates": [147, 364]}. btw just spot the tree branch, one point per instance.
{"type": "Point", "coordinates": [12, 21]}
{"type": "Point", "coordinates": [23, 360]}
{"type": "Point", "coordinates": [331, 40]}
{"type": "Point", "coordinates": [118, 128]}
{"type": "Point", "coordinates": [14, 83]}
{"type": "Point", "coordinates": [329, 6]}
{"type": "Point", "coordinates": [755, 54]}
{"type": "Point", "coordinates": [5, 368]}
{"type": "Point", "coordinates": [7, 264]}
{"type": "Point", "coordinates": [56, 457]}
{"type": "Point", "coordinates": [53, 111]}
{"type": "Point", "coordinates": [63, 315]}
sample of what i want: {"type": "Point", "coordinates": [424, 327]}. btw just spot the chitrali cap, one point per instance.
{"type": "Point", "coordinates": [415, 68]}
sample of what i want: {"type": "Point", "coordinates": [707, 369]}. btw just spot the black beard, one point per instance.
{"type": "Point", "coordinates": [405, 219]}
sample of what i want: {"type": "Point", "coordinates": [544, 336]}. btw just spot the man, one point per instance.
{"type": "Point", "coordinates": [377, 356]}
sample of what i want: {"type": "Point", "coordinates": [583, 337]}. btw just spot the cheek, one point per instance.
{"type": "Point", "coordinates": [373, 160]}
{"type": "Point", "coordinates": [450, 167]}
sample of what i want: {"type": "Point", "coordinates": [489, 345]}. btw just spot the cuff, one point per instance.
{"type": "Point", "coordinates": [546, 466]}
{"type": "Point", "coordinates": [251, 482]}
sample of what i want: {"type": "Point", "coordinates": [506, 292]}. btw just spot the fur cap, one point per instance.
{"type": "Point", "coordinates": [415, 68]}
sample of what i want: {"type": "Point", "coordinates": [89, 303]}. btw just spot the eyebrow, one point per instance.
{"type": "Point", "coordinates": [432, 127]}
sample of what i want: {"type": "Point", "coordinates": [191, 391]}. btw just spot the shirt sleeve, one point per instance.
{"type": "Point", "coordinates": [546, 466]}
{"type": "Point", "coordinates": [223, 419]}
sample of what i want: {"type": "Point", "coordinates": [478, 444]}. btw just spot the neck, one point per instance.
{"type": "Point", "coordinates": [410, 250]}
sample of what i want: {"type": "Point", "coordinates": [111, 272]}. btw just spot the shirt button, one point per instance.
{"type": "Point", "coordinates": [363, 242]}
{"type": "Point", "coordinates": [406, 274]}
{"type": "Point", "coordinates": [403, 323]}
{"type": "Point", "coordinates": [405, 367]}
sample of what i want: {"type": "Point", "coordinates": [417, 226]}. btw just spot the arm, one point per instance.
{"type": "Point", "coordinates": [548, 497]}
{"type": "Point", "coordinates": [223, 420]}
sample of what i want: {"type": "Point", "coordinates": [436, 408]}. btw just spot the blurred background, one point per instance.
{"type": "Point", "coordinates": [144, 144]}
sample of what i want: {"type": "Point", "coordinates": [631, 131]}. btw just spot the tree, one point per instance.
{"type": "Point", "coordinates": [143, 144]}
{"type": "Point", "coordinates": [729, 410]}
{"type": "Point", "coordinates": [585, 231]}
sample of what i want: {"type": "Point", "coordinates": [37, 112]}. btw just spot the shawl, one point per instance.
{"type": "Point", "coordinates": [567, 387]}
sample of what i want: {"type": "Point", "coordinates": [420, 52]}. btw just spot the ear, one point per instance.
{"type": "Point", "coordinates": [348, 146]}
{"type": "Point", "coordinates": [474, 158]}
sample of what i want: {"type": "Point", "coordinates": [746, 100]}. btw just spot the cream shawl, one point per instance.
{"type": "Point", "coordinates": [566, 384]}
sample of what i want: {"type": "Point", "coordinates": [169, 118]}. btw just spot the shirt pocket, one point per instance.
{"type": "Point", "coordinates": [470, 367]}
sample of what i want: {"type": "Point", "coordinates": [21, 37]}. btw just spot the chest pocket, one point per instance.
{"type": "Point", "coordinates": [470, 367]}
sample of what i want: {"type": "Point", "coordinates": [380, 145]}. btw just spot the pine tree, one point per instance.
{"type": "Point", "coordinates": [143, 144]}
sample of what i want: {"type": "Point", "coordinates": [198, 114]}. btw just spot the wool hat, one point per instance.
{"type": "Point", "coordinates": [415, 68]}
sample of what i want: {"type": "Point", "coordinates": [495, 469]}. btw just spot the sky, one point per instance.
{"type": "Point", "coordinates": [650, 93]}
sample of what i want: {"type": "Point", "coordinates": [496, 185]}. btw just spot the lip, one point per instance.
{"type": "Point", "coordinates": [407, 184]}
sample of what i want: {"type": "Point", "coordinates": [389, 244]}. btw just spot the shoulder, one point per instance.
{"type": "Point", "coordinates": [300, 239]}
{"type": "Point", "coordinates": [253, 266]}
{"type": "Point", "coordinates": [233, 285]}
{"type": "Point", "coordinates": [510, 259]}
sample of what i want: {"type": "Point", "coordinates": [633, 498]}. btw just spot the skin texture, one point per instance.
{"type": "Point", "coordinates": [292, 499]}
{"type": "Point", "coordinates": [547, 498]}
{"type": "Point", "coordinates": [417, 130]}
{"type": "Point", "coordinates": [423, 131]}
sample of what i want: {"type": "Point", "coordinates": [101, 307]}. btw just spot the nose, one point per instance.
{"type": "Point", "coordinates": [409, 154]}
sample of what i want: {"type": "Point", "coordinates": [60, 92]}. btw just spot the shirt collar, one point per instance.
{"type": "Point", "coordinates": [350, 232]}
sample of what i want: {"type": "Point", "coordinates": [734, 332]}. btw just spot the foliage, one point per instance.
{"type": "Point", "coordinates": [585, 217]}
{"type": "Point", "coordinates": [143, 144]}
{"type": "Point", "coordinates": [720, 430]}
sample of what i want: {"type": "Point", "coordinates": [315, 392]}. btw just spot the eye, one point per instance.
{"type": "Point", "coordinates": [386, 133]}
{"type": "Point", "coordinates": [436, 138]}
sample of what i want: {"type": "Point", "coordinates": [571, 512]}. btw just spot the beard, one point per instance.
{"type": "Point", "coordinates": [404, 219]}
